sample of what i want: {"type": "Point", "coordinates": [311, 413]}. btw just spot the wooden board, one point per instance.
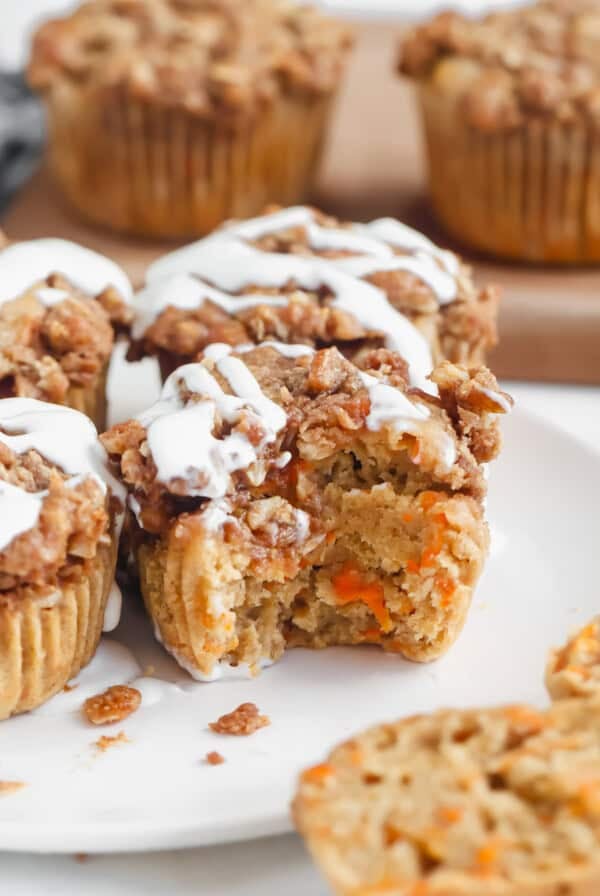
{"type": "Point", "coordinates": [550, 318]}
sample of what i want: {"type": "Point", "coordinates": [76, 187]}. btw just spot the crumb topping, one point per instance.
{"type": "Point", "coordinates": [115, 704]}
{"type": "Point", "coordinates": [513, 65]}
{"type": "Point", "coordinates": [242, 722]}
{"type": "Point", "coordinates": [221, 58]}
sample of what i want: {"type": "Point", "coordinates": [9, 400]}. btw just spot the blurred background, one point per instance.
{"type": "Point", "coordinates": [17, 17]}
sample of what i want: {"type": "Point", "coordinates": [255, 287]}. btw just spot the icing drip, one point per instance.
{"type": "Point", "coordinates": [284, 348]}
{"type": "Point", "coordinates": [19, 512]}
{"type": "Point", "coordinates": [232, 266]}
{"type": "Point", "coordinates": [112, 613]}
{"type": "Point", "coordinates": [180, 432]}
{"type": "Point", "coordinates": [23, 264]}
{"type": "Point", "coordinates": [62, 436]}
{"type": "Point", "coordinates": [50, 296]}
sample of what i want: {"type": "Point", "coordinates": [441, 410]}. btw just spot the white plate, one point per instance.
{"type": "Point", "coordinates": [156, 791]}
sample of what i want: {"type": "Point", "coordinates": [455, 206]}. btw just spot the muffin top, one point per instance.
{"type": "Point", "coordinates": [510, 67]}
{"type": "Point", "coordinates": [211, 57]}
{"type": "Point", "coordinates": [238, 423]}
{"type": "Point", "coordinates": [59, 303]}
{"type": "Point", "coordinates": [56, 496]}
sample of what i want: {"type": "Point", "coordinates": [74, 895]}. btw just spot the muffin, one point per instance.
{"type": "Point", "coordinates": [59, 515]}
{"type": "Point", "coordinates": [169, 116]}
{"type": "Point", "coordinates": [297, 275]}
{"type": "Point", "coordinates": [59, 306]}
{"type": "Point", "coordinates": [281, 497]}
{"type": "Point", "coordinates": [574, 670]}
{"type": "Point", "coordinates": [495, 802]}
{"type": "Point", "coordinates": [511, 109]}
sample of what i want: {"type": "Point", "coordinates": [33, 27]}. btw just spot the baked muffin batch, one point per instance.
{"type": "Point", "coordinates": [313, 473]}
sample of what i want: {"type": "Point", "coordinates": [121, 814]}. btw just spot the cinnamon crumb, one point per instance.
{"type": "Point", "coordinates": [106, 741]}
{"type": "Point", "coordinates": [115, 704]}
{"type": "Point", "coordinates": [81, 857]}
{"type": "Point", "coordinates": [244, 720]}
{"type": "Point", "coordinates": [7, 787]}
{"type": "Point", "coordinates": [214, 758]}
{"type": "Point", "coordinates": [70, 687]}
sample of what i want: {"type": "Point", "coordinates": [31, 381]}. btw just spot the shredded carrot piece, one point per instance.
{"type": "Point", "coordinates": [408, 517]}
{"type": "Point", "coordinates": [372, 635]}
{"type": "Point", "coordinates": [450, 814]}
{"type": "Point", "coordinates": [330, 537]}
{"type": "Point", "coordinates": [488, 855]}
{"type": "Point", "coordinates": [318, 773]}
{"type": "Point", "coordinates": [428, 499]}
{"type": "Point", "coordinates": [350, 586]}
{"type": "Point", "coordinates": [446, 586]}
{"type": "Point", "coordinates": [412, 565]}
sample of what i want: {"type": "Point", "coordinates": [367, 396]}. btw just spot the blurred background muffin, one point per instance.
{"type": "Point", "coordinates": [511, 108]}
{"type": "Point", "coordinates": [168, 116]}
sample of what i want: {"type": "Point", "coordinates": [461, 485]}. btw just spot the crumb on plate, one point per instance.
{"type": "Point", "coordinates": [244, 720]}
{"type": "Point", "coordinates": [106, 741]}
{"type": "Point", "coordinates": [115, 704]}
{"type": "Point", "coordinates": [214, 758]}
{"type": "Point", "coordinates": [7, 787]}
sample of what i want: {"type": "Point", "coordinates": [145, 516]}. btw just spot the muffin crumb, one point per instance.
{"type": "Point", "coordinates": [243, 721]}
{"type": "Point", "coordinates": [115, 704]}
{"type": "Point", "coordinates": [107, 741]}
{"type": "Point", "coordinates": [7, 787]}
{"type": "Point", "coordinates": [214, 758]}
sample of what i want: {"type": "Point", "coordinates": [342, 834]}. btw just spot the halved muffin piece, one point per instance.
{"type": "Point", "coordinates": [283, 496]}
{"type": "Point", "coordinates": [501, 801]}
{"type": "Point", "coordinates": [298, 276]}
{"type": "Point", "coordinates": [59, 516]}
{"type": "Point", "coordinates": [60, 304]}
{"type": "Point", "coordinates": [574, 670]}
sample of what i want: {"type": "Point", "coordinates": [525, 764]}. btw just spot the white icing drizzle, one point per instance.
{"type": "Point", "coordinates": [50, 296]}
{"type": "Point", "coordinates": [19, 512]}
{"type": "Point", "coordinates": [390, 405]}
{"type": "Point", "coordinates": [232, 265]}
{"type": "Point", "coordinates": [216, 514]}
{"type": "Point", "coordinates": [497, 397]}
{"type": "Point", "coordinates": [288, 350]}
{"type": "Point", "coordinates": [180, 433]}
{"type": "Point", "coordinates": [112, 613]}
{"type": "Point", "coordinates": [65, 438]}
{"type": "Point", "coordinates": [23, 264]}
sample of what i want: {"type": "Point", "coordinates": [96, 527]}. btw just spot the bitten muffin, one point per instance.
{"type": "Point", "coordinates": [296, 275]}
{"type": "Point", "coordinates": [59, 306]}
{"type": "Point", "coordinates": [501, 802]}
{"type": "Point", "coordinates": [511, 108]}
{"type": "Point", "coordinates": [59, 515]}
{"type": "Point", "coordinates": [574, 670]}
{"type": "Point", "coordinates": [283, 497]}
{"type": "Point", "coordinates": [169, 116]}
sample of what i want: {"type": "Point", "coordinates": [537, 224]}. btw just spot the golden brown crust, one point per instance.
{"type": "Point", "coordinates": [203, 57]}
{"type": "Point", "coordinates": [502, 801]}
{"type": "Point", "coordinates": [514, 66]}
